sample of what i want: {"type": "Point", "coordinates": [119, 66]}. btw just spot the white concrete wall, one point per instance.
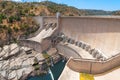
{"type": "Point", "coordinates": [101, 33]}
{"type": "Point", "coordinates": [67, 51]}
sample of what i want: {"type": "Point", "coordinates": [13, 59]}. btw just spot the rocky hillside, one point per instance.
{"type": "Point", "coordinates": [19, 63]}
{"type": "Point", "coordinates": [14, 21]}
{"type": "Point", "coordinates": [16, 18]}
{"type": "Point", "coordinates": [16, 63]}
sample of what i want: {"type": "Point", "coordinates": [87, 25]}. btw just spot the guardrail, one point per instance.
{"type": "Point", "coordinates": [92, 66]}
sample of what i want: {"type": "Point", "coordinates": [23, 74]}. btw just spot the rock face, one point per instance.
{"type": "Point", "coordinates": [15, 63]}
{"type": "Point", "coordinates": [2, 78]}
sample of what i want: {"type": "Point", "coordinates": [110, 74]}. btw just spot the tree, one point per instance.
{"type": "Point", "coordinates": [11, 19]}
{"type": "Point", "coordinates": [3, 4]}
{"type": "Point", "coordinates": [0, 20]}
{"type": "Point", "coordinates": [31, 14]}
{"type": "Point", "coordinates": [15, 29]}
{"type": "Point", "coordinates": [26, 10]}
{"type": "Point", "coordinates": [21, 13]}
{"type": "Point", "coordinates": [71, 15]}
{"type": "Point", "coordinates": [9, 30]}
{"type": "Point", "coordinates": [9, 34]}
{"type": "Point", "coordinates": [17, 18]}
{"type": "Point", "coordinates": [2, 16]}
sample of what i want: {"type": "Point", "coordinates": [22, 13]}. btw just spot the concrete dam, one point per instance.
{"type": "Point", "coordinates": [89, 42]}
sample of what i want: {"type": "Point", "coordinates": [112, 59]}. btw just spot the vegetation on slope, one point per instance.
{"type": "Point", "coordinates": [97, 12]}
{"type": "Point", "coordinates": [116, 12]}
{"type": "Point", "coordinates": [16, 18]}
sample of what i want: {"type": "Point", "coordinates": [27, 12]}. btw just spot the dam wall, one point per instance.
{"type": "Point", "coordinates": [92, 66]}
{"type": "Point", "coordinates": [102, 33]}
{"type": "Point", "coordinates": [67, 51]}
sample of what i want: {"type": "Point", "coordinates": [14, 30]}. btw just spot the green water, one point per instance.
{"type": "Point", "coordinates": [56, 71]}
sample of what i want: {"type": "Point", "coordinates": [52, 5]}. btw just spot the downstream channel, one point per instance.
{"type": "Point", "coordinates": [53, 74]}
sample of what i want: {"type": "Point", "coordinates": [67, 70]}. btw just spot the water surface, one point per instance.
{"type": "Point", "coordinates": [56, 70]}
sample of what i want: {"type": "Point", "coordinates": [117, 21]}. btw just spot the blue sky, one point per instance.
{"type": "Point", "coordinates": [92, 4]}
{"type": "Point", "coordinates": [109, 5]}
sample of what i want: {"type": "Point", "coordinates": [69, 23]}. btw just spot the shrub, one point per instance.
{"type": "Point", "coordinates": [2, 16]}
{"type": "Point", "coordinates": [9, 30]}
{"type": "Point", "coordinates": [36, 60]}
{"type": "Point", "coordinates": [3, 4]}
{"type": "Point", "coordinates": [71, 15]}
{"type": "Point", "coordinates": [31, 14]}
{"type": "Point", "coordinates": [15, 29]}
{"type": "Point", "coordinates": [11, 19]}
{"type": "Point", "coordinates": [17, 18]}
{"type": "Point", "coordinates": [46, 56]}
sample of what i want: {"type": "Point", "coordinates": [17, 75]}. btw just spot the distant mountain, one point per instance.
{"type": "Point", "coordinates": [87, 11]}
{"type": "Point", "coordinates": [116, 12]}
{"type": "Point", "coordinates": [97, 12]}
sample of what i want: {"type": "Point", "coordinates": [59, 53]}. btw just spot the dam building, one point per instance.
{"type": "Point", "coordinates": [90, 43]}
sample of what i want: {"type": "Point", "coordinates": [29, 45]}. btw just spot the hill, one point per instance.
{"type": "Point", "coordinates": [116, 12]}
{"type": "Point", "coordinates": [97, 12]}
{"type": "Point", "coordinates": [16, 17]}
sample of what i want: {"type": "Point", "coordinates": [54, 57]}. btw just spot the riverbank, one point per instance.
{"type": "Point", "coordinates": [16, 62]}
{"type": "Point", "coordinates": [56, 71]}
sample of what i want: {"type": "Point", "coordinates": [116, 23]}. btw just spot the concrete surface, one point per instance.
{"type": "Point", "coordinates": [69, 74]}
{"type": "Point", "coordinates": [102, 33]}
